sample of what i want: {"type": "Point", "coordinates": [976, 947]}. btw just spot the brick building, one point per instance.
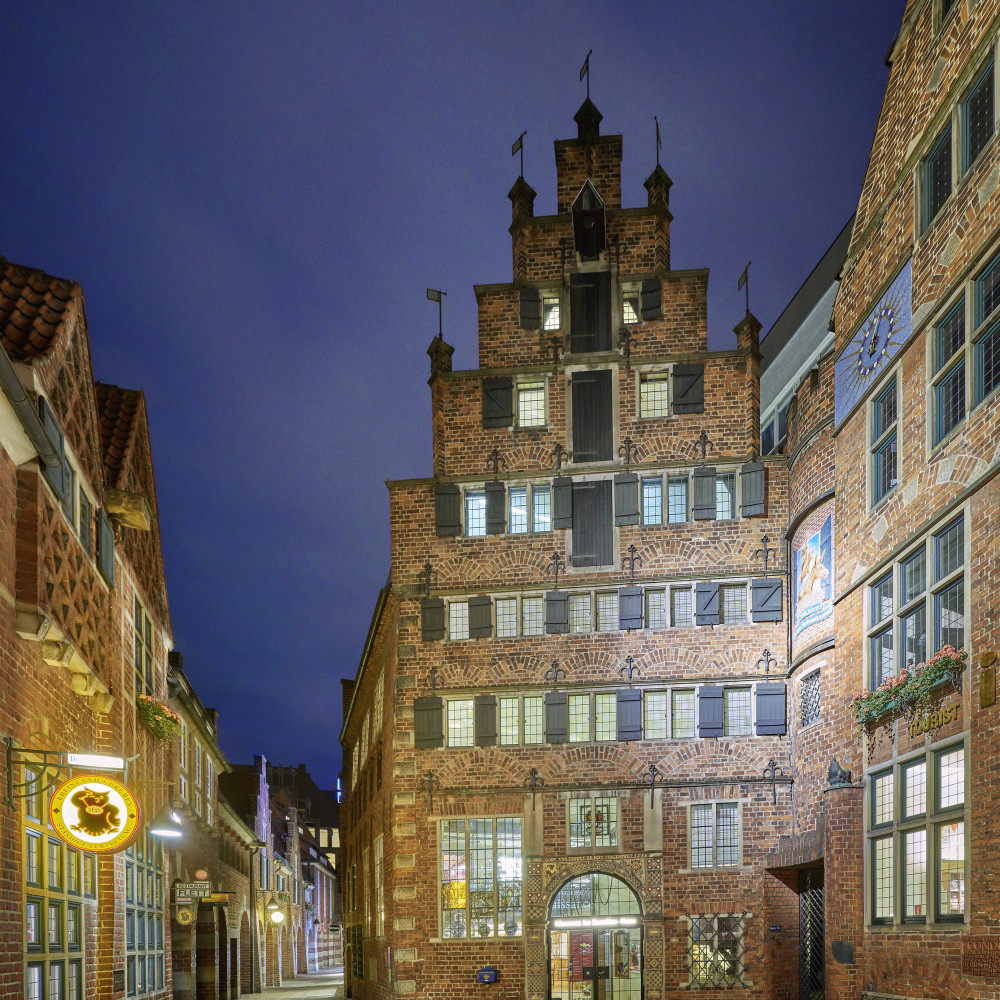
{"type": "Point", "coordinates": [566, 744]}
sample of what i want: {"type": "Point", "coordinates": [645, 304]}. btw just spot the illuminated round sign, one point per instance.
{"type": "Point", "coordinates": [94, 813]}
{"type": "Point", "coordinates": [184, 916]}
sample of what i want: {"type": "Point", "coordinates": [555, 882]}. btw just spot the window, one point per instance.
{"type": "Point", "coordinates": [714, 835]}
{"type": "Point", "coordinates": [733, 603]}
{"type": "Point", "coordinates": [725, 496]}
{"type": "Point", "coordinates": [949, 372]}
{"type": "Point", "coordinates": [460, 723]}
{"type": "Point", "coordinates": [677, 499]}
{"type": "Point", "coordinates": [931, 587]}
{"type": "Point", "coordinates": [458, 620]}
{"type": "Point", "coordinates": [593, 823]}
{"type": "Point", "coordinates": [142, 650]}
{"type": "Point", "coordinates": [680, 607]}
{"type": "Point", "coordinates": [607, 611]}
{"type": "Point", "coordinates": [377, 700]}
{"type": "Point", "coordinates": [809, 699]}
{"type": "Point", "coordinates": [550, 312]}
{"type": "Point", "coordinates": [481, 877]}
{"type": "Point", "coordinates": [736, 711]}
{"type": "Point", "coordinates": [654, 394]}
{"type": "Point", "coordinates": [715, 950]}
{"type": "Point", "coordinates": [916, 833]}
{"type": "Point", "coordinates": [656, 608]}
{"type": "Point", "coordinates": [977, 117]}
{"type": "Point", "coordinates": [379, 889]}
{"type": "Point", "coordinates": [652, 500]}
{"type": "Point", "coordinates": [986, 352]}
{"type": "Point", "coordinates": [936, 177]}
{"type": "Point", "coordinates": [579, 613]}
{"type": "Point", "coordinates": [364, 738]}
{"type": "Point", "coordinates": [883, 446]}
{"type": "Point", "coordinates": [668, 714]}
{"type": "Point", "coordinates": [631, 311]}
{"type": "Point", "coordinates": [475, 512]}
{"type": "Point", "coordinates": [506, 608]}
{"type": "Point", "coordinates": [579, 718]}
{"type": "Point", "coordinates": [531, 404]}
{"type": "Point", "coordinates": [144, 917]}
{"type": "Point", "coordinates": [521, 514]}
{"type": "Point", "coordinates": [533, 615]}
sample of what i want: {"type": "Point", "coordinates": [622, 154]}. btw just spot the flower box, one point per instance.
{"type": "Point", "coordinates": [160, 720]}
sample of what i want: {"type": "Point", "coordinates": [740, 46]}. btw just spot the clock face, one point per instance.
{"type": "Point", "coordinates": [874, 345]}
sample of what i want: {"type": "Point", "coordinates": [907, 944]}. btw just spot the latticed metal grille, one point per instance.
{"type": "Point", "coordinates": [716, 949]}
{"type": "Point", "coordinates": [811, 963]}
{"type": "Point", "coordinates": [809, 696]}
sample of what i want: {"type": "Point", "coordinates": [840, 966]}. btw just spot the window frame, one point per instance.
{"type": "Point", "coordinates": [927, 165]}
{"type": "Point", "coordinates": [713, 805]}
{"type": "Point", "coordinates": [646, 377]}
{"type": "Point", "coordinates": [522, 385]}
{"type": "Point", "coordinates": [946, 369]}
{"type": "Point", "coordinates": [880, 438]}
{"type": "Point", "coordinates": [592, 847]}
{"type": "Point", "coordinates": [969, 159]}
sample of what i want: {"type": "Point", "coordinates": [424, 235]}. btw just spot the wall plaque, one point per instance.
{"type": "Point", "coordinates": [981, 955]}
{"type": "Point", "coordinates": [988, 687]}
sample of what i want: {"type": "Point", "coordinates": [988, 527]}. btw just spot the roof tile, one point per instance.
{"type": "Point", "coordinates": [33, 306]}
{"type": "Point", "coordinates": [116, 410]}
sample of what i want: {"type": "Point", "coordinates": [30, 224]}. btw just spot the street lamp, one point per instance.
{"type": "Point", "coordinates": [166, 824]}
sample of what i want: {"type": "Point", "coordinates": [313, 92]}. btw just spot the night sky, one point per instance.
{"type": "Point", "coordinates": [254, 198]}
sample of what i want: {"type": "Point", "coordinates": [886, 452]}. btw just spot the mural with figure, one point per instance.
{"type": "Point", "coordinates": [812, 575]}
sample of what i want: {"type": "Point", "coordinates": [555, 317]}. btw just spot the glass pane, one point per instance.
{"type": "Point", "coordinates": [882, 798]}
{"type": "Point", "coordinates": [884, 471]}
{"type": "Point", "coordinates": [454, 887]}
{"type": "Point", "coordinates": [605, 716]}
{"type": "Point", "coordinates": [979, 116]}
{"type": "Point", "coordinates": [914, 636]}
{"type": "Point", "coordinates": [677, 499]}
{"type": "Point", "coordinates": [949, 616]}
{"type": "Point", "coordinates": [531, 404]}
{"type": "Point", "coordinates": [656, 609]}
{"type": "Point", "coordinates": [579, 822]}
{"type": "Point", "coordinates": [949, 336]}
{"type": "Point", "coordinates": [654, 705]}
{"type": "Point", "coordinates": [653, 396]}
{"type": "Point", "coordinates": [532, 616]}
{"type": "Point", "coordinates": [951, 778]}
{"type": "Point", "coordinates": [988, 288]}
{"type": "Point", "coordinates": [725, 497]}
{"type": "Point", "coordinates": [550, 312]}
{"type": "Point", "coordinates": [915, 883]}
{"type": "Point", "coordinates": [509, 876]}
{"type": "Point", "coordinates": [734, 604]}
{"type": "Point", "coordinates": [809, 696]}
{"type": "Point", "coordinates": [915, 789]}
{"type": "Point", "coordinates": [988, 361]}
{"type": "Point", "coordinates": [881, 656]}
{"type": "Point", "coordinates": [950, 400]}
{"type": "Point", "coordinates": [682, 714]}
{"type": "Point", "coordinates": [913, 576]}
{"type": "Point", "coordinates": [481, 876]}
{"type": "Point", "coordinates": [884, 412]}
{"type": "Point", "coordinates": [460, 724]}
{"type": "Point", "coordinates": [532, 718]}
{"type": "Point", "coordinates": [605, 822]}
{"type": "Point", "coordinates": [882, 879]}
{"type": "Point", "coordinates": [652, 501]}
{"type": "Point", "coordinates": [518, 510]}
{"type": "Point", "coordinates": [701, 836]}
{"type": "Point", "coordinates": [458, 620]}
{"type": "Point", "coordinates": [951, 868]}
{"type": "Point", "coordinates": [727, 835]}
{"type": "Point", "coordinates": [937, 176]}
{"type": "Point", "coordinates": [579, 718]}
{"type": "Point", "coordinates": [580, 619]}
{"type": "Point", "coordinates": [607, 611]}
{"type": "Point", "coordinates": [680, 607]}
{"type": "Point", "coordinates": [949, 549]}
{"type": "Point", "coordinates": [508, 721]}
{"type": "Point", "coordinates": [541, 508]}
{"type": "Point", "coordinates": [882, 599]}
{"type": "Point", "coordinates": [475, 512]}
{"type": "Point", "coordinates": [506, 617]}
{"type": "Point", "coordinates": [736, 710]}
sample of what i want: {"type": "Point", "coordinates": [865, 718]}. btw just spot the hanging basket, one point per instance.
{"type": "Point", "coordinates": [161, 721]}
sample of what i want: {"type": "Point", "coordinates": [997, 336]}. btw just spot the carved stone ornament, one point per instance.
{"type": "Point", "coordinates": [129, 508]}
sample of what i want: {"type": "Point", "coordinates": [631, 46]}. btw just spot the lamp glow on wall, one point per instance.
{"type": "Point", "coordinates": [166, 824]}
{"type": "Point", "coordinates": [275, 910]}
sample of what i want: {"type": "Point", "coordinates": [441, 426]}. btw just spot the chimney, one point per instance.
{"type": "Point", "coordinates": [658, 185]}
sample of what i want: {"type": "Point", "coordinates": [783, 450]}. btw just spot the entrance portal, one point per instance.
{"type": "Point", "coordinates": [595, 940]}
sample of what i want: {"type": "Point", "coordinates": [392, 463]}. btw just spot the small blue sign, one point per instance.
{"type": "Point", "coordinates": [487, 974]}
{"type": "Point", "coordinates": [775, 928]}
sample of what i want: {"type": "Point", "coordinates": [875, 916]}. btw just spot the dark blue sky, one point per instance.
{"type": "Point", "coordinates": [254, 198]}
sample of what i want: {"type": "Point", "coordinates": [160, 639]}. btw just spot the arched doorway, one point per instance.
{"type": "Point", "coordinates": [246, 956]}
{"type": "Point", "coordinates": [222, 936]}
{"type": "Point", "coordinates": [595, 940]}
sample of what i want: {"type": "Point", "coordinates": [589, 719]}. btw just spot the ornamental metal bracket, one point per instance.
{"type": "Point", "coordinates": [427, 576]}
{"type": "Point", "coordinates": [554, 673]}
{"type": "Point", "coordinates": [632, 558]}
{"type": "Point", "coordinates": [653, 775]}
{"type": "Point", "coordinates": [428, 785]}
{"type": "Point", "coordinates": [562, 251]}
{"type": "Point", "coordinates": [618, 245]}
{"type": "Point", "coordinates": [559, 453]}
{"type": "Point", "coordinates": [533, 781]}
{"type": "Point", "coordinates": [767, 661]}
{"type": "Point", "coordinates": [630, 452]}
{"type": "Point", "coordinates": [433, 678]}
{"type": "Point", "coordinates": [41, 781]}
{"type": "Point", "coordinates": [703, 441]}
{"type": "Point", "coordinates": [494, 460]}
{"type": "Point", "coordinates": [627, 344]}
{"type": "Point", "coordinates": [764, 551]}
{"type": "Point", "coordinates": [557, 349]}
{"type": "Point", "coordinates": [773, 772]}
{"type": "Point", "coordinates": [556, 564]}
{"type": "Point", "coordinates": [630, 668]}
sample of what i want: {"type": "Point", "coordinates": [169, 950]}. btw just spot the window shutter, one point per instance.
{"type": "Point", "coordinates": [704, 493]}
{"type": "Point", "coordinates": [556, 717]}
{"type": "Point", "coordinates": [105, 547]}
{"type": "Point", "coordinates": [629, 703]}
{"type": "Point", "coordinates": [496, 496]}
{"type": "Point", "coordinates": [753, 483]}
{"type": "Point", "coordinates": [706, 601]}
{"type": "Point", "coordinates": [651, 298]}
{"type": "Point", "coordinates": [626, 499]}
{"type": "Point", "coordinates": [447, 509]}
{"type": "Point", "coordinates": [428, 722]}
{"type": "Point", "coordinates": [432, 618]}
{"type": "Point", "coordinates": [765, 600]}
{"type": "Point", "coordinates": [556, 611]}
{"type": "Point", "coordinates": [590, 312]}
{"type": "Point", "coordinates": [480, 616]}
{"type": "Point", "coordinates": [498, 402]}
{"type": "Point", "coordinates": [689, 388]}
{"type": "Point", "coordinates": [531, 309]}
{"type": "Point", "coordinates": [710, 710]}
{"type": "Point", "coordinates": [562, 502]}
{"type": "Point", "coordinates": [485, 720]}
{"type": "Point", "coordinates": [592, 418]}
{"type": "Point", "coordinates": [56, 474]}
{"type": "Point", "coordinates": [771, 710]}
{"type": "Point", "coordinates": [629, 607]}
{"type": "Point", "coordinates": [593, 530]}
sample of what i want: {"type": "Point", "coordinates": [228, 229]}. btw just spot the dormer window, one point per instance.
{"type": "Point", "coordinates": [588, 223]}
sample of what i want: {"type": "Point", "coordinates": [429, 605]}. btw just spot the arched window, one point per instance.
{"type": "Point", "coordinates": [595, 895]}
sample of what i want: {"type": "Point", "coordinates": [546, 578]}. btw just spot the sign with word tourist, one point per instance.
{"type": "Point", "coordinates": [933, 721]}
{"type": "Point", "coordinates": [95, 813]}
{"type": "Point", "coordinates": [193, 890]}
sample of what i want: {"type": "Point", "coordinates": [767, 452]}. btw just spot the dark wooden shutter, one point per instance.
{"type": "Point", "coordinates": [710, 722]}
{"type": "Point", "coordinates": [689, 388]}
{"type": "Point", "coordinates": [531, 309]}
{"type": "Point", "coordinates": [447, 509]}
{"type": "Point", "coordinates": [485, 720]}
{"type": "Point", "coordinates": [562, 502]}
{"type": "Point", "coordinates": [480, 616]}
{"type": "Point", "coordinates": [56, 475]}
{"type": "Point", "coordinates": [771, 710]}
{"type": "Point", "coordinates": [765, 600]}
{"type": "Point", "coordinates": [556, 611]}
{"type": "Point", "coordinates": [651, 298]}
{"type": "Point", "coordinates": [626, 498]}
{"type": "Point", "coordinates": [556, 717]}
{"type": "Point", "coordinates": [590, 312]}
{"type": "Point", "coordinates": [629, 607]}
{"type": "Point", "coordinates": [629, 704]}
{"type": "Point", "coordinates": [498, 402]}
{"type": "Point", "coordinates": [496, 497]}
{"type": "Point", "coordinates": [593, 530]}
{"type": "Point", "coordinates": [432, 618]}
{"type": "Point", "coordinates": [753, 483]}
{"type": "Point", "coordinates": [703, 508]}
{"type": "Point", "coordinates": [105, 547]}
{"type": "Point", "coordinates": [428, 722]}
{"type": "Point", "coordinates": [592, 419]}
{"type": "Point", "coordinates": [706, 604]}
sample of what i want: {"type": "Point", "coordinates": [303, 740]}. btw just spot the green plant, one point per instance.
{"type": "Point", "coordinates": [160, 720]}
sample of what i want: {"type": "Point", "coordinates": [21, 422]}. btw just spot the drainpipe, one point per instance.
{"type": "Point", "coordinates": [26, 414]}
{"type": "Point", "coordinates": [255, 846]}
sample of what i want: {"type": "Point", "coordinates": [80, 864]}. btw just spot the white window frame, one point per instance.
{"type": "Point", "coordinates": [643, 377]}
{"type": "Point", "coordinates": [592, 847]}
{"type": "Point", "coordinates": [522, 384]}
{"type": "Point", "coordinates": [713, 804]}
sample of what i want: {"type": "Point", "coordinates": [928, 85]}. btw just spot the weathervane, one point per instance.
{"type": "Point", "coordinates": [744, 282]}
{"type": "Point", "coordinates": [585, 71]}
{"type": "Point", "coordinates": [518, 147]}
{"type": "Point", "coordinates": [436, 295]}
{"type": "Point", "coordinates": [658, 143]}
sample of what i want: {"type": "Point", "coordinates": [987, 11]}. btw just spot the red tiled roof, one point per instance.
{"type": "Point", "coordinates": [33, 306]}
{"type": "Point", "coordinates": [116, 412]}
